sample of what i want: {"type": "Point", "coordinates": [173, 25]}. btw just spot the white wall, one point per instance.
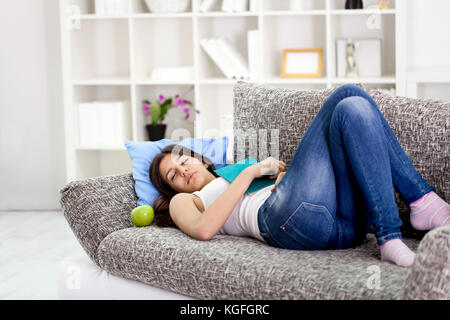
{"type": "Point", "coordinates": [429, 42]}
{"type": "Point", "coordinates": [32, 160]}
{"type": "Point", "coordinates": [428, 33]}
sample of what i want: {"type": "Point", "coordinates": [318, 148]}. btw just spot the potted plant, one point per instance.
{"type": "Point", "coordinates": [156, 112]}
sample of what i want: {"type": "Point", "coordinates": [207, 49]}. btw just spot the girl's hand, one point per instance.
{"type": "Point", "coordinates": [280, 176]}
{"type": "Point", "coordinates": [269, 167]}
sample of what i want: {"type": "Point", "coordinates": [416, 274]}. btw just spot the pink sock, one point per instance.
{"type": "Point", "coordinates": [429, 212]}
{"type": "Point", "coordinates": [397, 252]}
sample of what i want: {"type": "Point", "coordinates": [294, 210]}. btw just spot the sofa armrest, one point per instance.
{"type": "Point", "coordinates": [430, 274]}
{"type": "Point", "coordinates": [96, 207]}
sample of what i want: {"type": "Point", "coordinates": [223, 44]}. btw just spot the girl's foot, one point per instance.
{"type": "Point", "coordinates": [429, 212]}
{"type": "Point", "coordinates": [397, 252]}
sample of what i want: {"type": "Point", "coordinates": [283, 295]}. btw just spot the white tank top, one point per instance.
{"type": "Point", "coordinates": [243, 221]}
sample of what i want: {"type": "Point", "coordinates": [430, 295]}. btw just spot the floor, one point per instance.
{"type": "Point", "coordinates": [32, 246]}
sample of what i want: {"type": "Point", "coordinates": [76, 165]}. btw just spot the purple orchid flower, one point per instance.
{"type": "Point", "coordinates": [161, 98]}
{"type": "Point", "coordinates": [146, 109]}
{"type": "Point", "coordinates": [182, 102]}
{"type": "Point", "coordinates": [186, 111]}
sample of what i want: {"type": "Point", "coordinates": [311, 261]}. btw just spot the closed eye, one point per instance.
{"type": "Point", "coordinates": [173, 177]}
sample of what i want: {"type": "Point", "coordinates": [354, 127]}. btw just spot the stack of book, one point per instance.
{"type": "Point", "coordinates": [103, 124]}
{"type": "Point", "coordinates": [111, 7]}
{"type": "Point", "coordinates": [229, 5]}
{"type": "Point", "coordinates": [230, 61]}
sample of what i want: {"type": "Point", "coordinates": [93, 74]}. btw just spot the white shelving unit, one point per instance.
{"type": "Point", "coordinates": [437, 76]}
{"type": "Point", "coordinates": [111, 58]}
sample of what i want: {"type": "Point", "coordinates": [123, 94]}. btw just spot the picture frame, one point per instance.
{"type": "Point", "coordinates": [302, 63]}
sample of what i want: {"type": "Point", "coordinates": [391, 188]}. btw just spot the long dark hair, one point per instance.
{"type": "Point", "coordinates": [161, 205]}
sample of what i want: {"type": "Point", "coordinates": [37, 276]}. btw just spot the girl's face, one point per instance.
{"type": "Point", "coordinates": [184, 173]}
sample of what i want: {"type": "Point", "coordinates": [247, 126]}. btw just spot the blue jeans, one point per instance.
{"type": "Point", "coordinates": [341, 180]}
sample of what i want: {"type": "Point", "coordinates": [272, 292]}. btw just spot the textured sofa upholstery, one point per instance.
{"type": "Point", "coordinates": [229, 267]}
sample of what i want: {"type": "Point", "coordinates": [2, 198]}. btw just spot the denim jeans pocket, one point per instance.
{"type": "Point", "coordinates": [308, 227]}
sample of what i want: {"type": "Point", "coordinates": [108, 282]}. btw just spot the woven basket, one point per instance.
{"type": "Point", "coordinates": [167, 6]}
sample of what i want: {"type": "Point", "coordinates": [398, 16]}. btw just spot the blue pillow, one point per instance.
{"type": "Point", "coordinates": [142, 153]}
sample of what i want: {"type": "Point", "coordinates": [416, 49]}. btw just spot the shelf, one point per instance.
{"type": "Point", "coordinates": [112, 58]}
{"type": "Point", "coordinates": [283, 32]}
{"type": "Point", "coordinates": [150, 35]}
{"type": "Point", "coordinates": [380, 80]}
{"type": "Point", "coordinates": [100, 49]}
{"type": "Point", "coordinates": [285, 5]}
{"type": "Point", "coordinates": [102, 81]}
{"type": "Point", "coordinates": [233, 30]}
{"type": "Point", "coordinates": [220, 81]}
{"type": "Point", "coordinates": [161, 82]}
{"type": "Point", "coordinates": [101, 148]}
{"type": "Point", "coordinates": [430, 75]}
{"type": "Point", "coordinates": [161, 15]}
{"type": "Point", "coordinates": [101, 17]}
{"type": "Point", "coordinates": [226, 14]}
{"type": "Point", "coordinates": [174, 117]}
{"type": "Point", "coordinates": [294, 13]}
{"type": "Point", "coordinates": [297, 80]}
{"type": "Point", "coordinates": [237, 14]}
{"type": "Point", "coordinates": [361, 11]}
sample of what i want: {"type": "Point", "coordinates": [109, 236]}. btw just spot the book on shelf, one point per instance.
{"type": "Point", "coordinates": [254, 54]}
{"type": "Point", "coordinates": [215, 56]}
{"type": "Point", "coordinates": [227, 59]}
{"type": "Point", "coordinates": [106, 123]}
{"type": "Point", "coordinates": [122, 121]}
{"type": "Point", "coordinates": [111, 7]}
{"type": "Point", "coordinates": [238, 61]}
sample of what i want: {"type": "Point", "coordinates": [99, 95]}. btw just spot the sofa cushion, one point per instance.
{"type": "Point", "coordinates": [421, 126]}
{"type": "Point", "coordinates": [229, 267]}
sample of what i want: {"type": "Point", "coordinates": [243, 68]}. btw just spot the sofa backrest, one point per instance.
{"type": "Point", "coordinates": [422, 127]}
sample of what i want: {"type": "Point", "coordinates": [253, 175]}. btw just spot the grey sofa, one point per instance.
{"type": "Point", "coordinates": [229, 267]}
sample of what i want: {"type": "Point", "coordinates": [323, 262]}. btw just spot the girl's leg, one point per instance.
{"type": "Point", "coordinates": [428, 210]}
{"type": "Point", "coordinates": [361, 161]}
{"type": "Point", "coordinates": [301, 212]}
{"type": "Point", "coordinates": [359, 145]}
{"type": "Point", "coordinates": [406, 180]}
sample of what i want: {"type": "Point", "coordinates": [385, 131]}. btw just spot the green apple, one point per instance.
{"type": "Point", "coordinates": [142, 216]}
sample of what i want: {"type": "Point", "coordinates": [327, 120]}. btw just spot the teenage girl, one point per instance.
{"type": "Point", "coordinates": [340, 181]}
